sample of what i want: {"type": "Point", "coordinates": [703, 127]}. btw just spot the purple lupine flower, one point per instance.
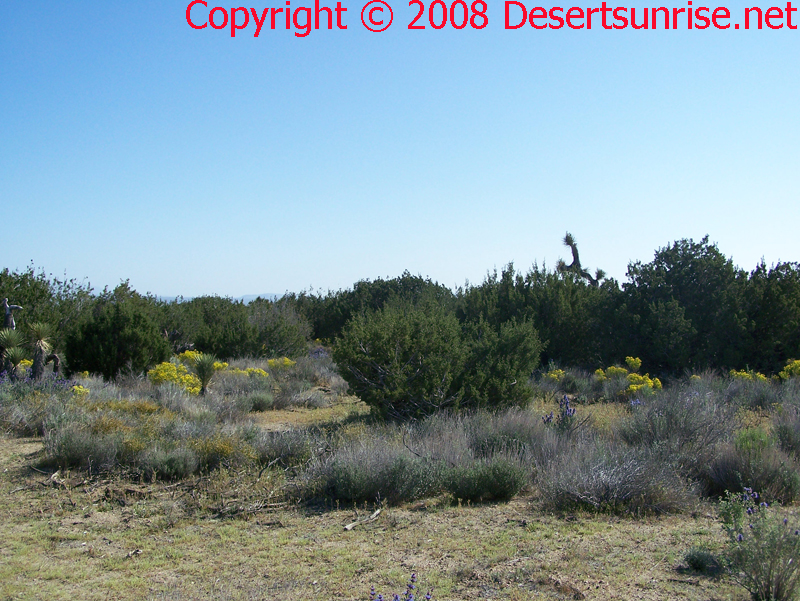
{"type": "Point", "coordinates": [740, 538]}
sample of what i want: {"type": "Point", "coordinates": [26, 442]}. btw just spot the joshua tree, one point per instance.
{"type": "Point", "coordinates": [40, 334]}
{"type": "Point", "coordinates": [14, 356]}
{"type": "Point", "coordinates": [10, 340]}
{"type": "Point", "coordinates": [8, 319]}
{"type": "Point", "coordinates": [575, 266]}
{"type": "Point", "coordinates": [204, 368]}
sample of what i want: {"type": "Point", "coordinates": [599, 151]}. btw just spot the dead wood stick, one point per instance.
{"type": "Point", "coordinates": [371, 518]}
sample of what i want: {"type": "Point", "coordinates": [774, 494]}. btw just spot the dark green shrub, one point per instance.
{"type": "Point", "coordinates": [328, 314]}
{"type": "Point", "coordinates": [214, 324]}
{"type": "Point", "coordinates": [45, 299]}
{"type": "Point", "coordinates": [499, 363]}
{"type": "Point", "coordinates": [119, 334]}
{"type": "Point", "coordinates": [403, 360]}
{"type": "Point", "coordinates": [279, 330]}
{"type": "Point", "coordinates": [702, 560]}
{"type": "Point", "coordinates": [495, 479]}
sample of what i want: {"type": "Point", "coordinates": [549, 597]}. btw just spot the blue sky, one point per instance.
{"type": "Point", "coordinates": [135, 147]}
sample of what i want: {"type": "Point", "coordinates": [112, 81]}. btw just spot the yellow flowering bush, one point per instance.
{"type": "Point", "coordinates": [749, 375]}
{"type": "Point", "coordinates": [556, 375]}
{"type": "Point", "coordinates": [694, 378]}
{"type": "Point", "coordinates": [188, 357]}
{"type": "Point", "coordinates": [616, 372]}
{"type": "Point", "coordinates": [79, 391]}
{"type": "Point", "coordinates": [633, 363]}
{"type": "Point", "coordinates": [637, 382]}
{"type": "Point", "coordinates": [220, 366]}
{"type": "Point", "coordinates": [792, 370]}
{"type": "Point", "coordinates": [253, 372]}
{"type": "Point", "coordinates": [177, 373]}
{"type": "Point", "coordinates": [26, 363]}
{"type": "Point", "coordinates": [280, 363]}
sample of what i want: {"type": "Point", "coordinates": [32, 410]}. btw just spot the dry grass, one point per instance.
{"type": "Point", "coordinates": [242, 535]}
{"type": "Point", "coordinates": [68, 538]}
{"type": "Point", "coordinates": [346, 407]}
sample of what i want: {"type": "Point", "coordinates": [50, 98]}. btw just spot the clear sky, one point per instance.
{"type": "Point", "coordinates": [135, 147]}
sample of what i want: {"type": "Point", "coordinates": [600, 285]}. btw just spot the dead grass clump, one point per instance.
{"type": "Point", "coordinates": [601, 476]}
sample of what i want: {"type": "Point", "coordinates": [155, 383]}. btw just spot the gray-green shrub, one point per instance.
{"type": "Point", "coordinates": [261, 401]}
{"type": "Point", "coordinates": [602, 476]}
{"type": "Point", "coordinates": [682, 425]}
{"type": "Point", "coordinates": [766, 468]}
{"type": "Point", "coordinates": [74, 445]}
{"type": "Point", "coordinates": [169, 464]}
{"type": "Point", "coordinates": [372, 470]}
{"type": "Point", "coordinates": [763, 548]}
{"type": "Point", "coordinates": [496, 478]}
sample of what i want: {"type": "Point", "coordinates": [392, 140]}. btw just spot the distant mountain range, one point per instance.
{"type": "Point", "coordinates": [247, 298]}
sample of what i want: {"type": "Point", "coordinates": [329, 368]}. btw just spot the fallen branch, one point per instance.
{"type": "Point", "coordinates": [371, 518]}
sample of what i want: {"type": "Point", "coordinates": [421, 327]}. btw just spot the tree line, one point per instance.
{"type": "Point", "coordinates": [689, 308]}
